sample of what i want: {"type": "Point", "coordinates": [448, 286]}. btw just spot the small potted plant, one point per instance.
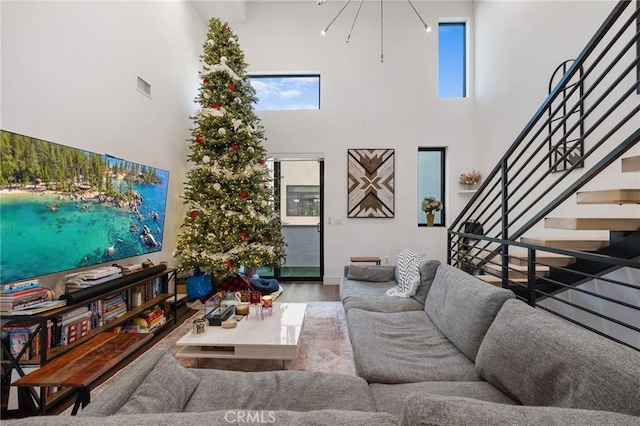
{"type": "Point", "coordinates": [470, 180]}
{"type": "Point", "coordinates": [429, 206]}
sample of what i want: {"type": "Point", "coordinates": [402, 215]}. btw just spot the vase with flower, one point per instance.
{"type": "Point", "coordinates": [429, 206]}
{"type": "Point", "coordinates": [470, 180]}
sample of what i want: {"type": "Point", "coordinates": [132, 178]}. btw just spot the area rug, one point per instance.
{"type": "Point", "coordinates": [324, 345]}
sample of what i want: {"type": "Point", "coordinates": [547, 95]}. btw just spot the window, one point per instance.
{"type": "Point", "coordinates": [303, 200]}
{"type": "Point", "coordinates": [452, 60]}
{"type": "Point", "coordinates": [286, 92]}
{"type": "Point", "coordinates": [431, 175]}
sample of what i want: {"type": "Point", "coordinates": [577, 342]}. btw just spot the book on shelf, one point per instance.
{"type": "Point", "coordinates": [150, 314]}
{"type": "Point", "coordinates": [131, 267]}
{"type": "Point", "coordinates": [39, 308]}
{"type": "Point", "coordinates": [20, 326]}
{"type": "Point", "coordinates": [115, 314]}
{"type": "Point", "coordinates": [75, 312]}
{"type": "Point", "coordinates": [71, 286]}
{"type": "Point", "coordinates": [22, 285]}
{"type": "Point", "coordinates": [23, 295]}
{"type": "Point", "coordinates": [98, 273]}
{"type": "Point", "coordinates": [157, 323]}
{"type": "Point", "coordinates": [7, 305]}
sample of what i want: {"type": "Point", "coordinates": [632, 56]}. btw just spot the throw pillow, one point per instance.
{"type": "Point", "coordinates": [166, 389]}
{"type": "Point", "coordinates": [371, 273]}
{"type": "Point", "coordinates": [408, 269]}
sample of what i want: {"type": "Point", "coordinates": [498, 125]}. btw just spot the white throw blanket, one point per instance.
{"type": "Point", "coordinates": [408, 274]}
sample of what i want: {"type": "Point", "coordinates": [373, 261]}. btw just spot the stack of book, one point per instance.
{"type": "Point", "coordinates": [147, 322]}
{"type": "Point", "coordinates": [92, 277]}
{"type": "Point", "coordinates": [21, 295]}
{"type": "Point", "coordinates": [114, 307]}
{"type": "Point", "coordinates": [131, 267]}
{"type": "Point", "coordinates": [19, 332]}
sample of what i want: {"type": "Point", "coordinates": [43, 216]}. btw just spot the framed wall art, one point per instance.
{"type": "Point", "coordinates": [371, 183]}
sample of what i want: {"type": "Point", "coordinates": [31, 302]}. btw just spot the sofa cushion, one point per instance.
{"type": "Point", "coordinates": [427, 274]}
{"type": "Point", "coordinates": [166, 389]}
{"type": "Point", "coordinates": [279, 390]}
{"type": "Point", "coordinates": [403, 347]}
{"type": "Point", "coordinates": [463, 307]}
{"type": "Point", "coordinates": [370, 296]}
{"type": "Point", "coordinates": [118, 389]}
{"type": "Point", "coordinates": [425, 409]}
{"type": "Point", "coordinates": [407, 273]}
{"type": "Point", "coordinates": [374, 273]}
{"type": "Point", "coordinates": [541, 360]}
{"type": "Point", "coordinates": [390, 398]}
{"type": "Point", "coordinates": [219, 418]}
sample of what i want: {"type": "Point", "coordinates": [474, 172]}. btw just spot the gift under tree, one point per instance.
{"type": "Point", "coordinates": [230, 220]}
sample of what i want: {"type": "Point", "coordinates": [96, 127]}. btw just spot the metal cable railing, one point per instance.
{"type": "Point", "coordinates": [588, 121]}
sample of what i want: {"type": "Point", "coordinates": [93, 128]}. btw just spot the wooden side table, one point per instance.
{"type": "Point", "coordinates": [365, 259]}
{"type": "Point", "coordinates": [83, 365]}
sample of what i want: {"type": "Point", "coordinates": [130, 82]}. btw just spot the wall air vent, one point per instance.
{"type": "Point", "coordinates": [144, 87]}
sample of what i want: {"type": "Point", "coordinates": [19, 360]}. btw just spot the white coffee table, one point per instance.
{"type": "Point", "coordinates": [277, 336]}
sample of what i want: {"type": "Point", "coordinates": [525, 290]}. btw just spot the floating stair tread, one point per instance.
{"type": "Point", "coordinates": [497, 281]}
{"type": "Point", "coordinates": [568, 243]}
{"type": "Point", "coordinates": [547, 258]}
{"type": "Point", "coordinates": [593, 224]}
{"type": "Point", "coordinates": [631, 164]}
{"type": "Point", "coordinates": [609, 196]}
{"type": "Point", "coordinates": [517, 271]}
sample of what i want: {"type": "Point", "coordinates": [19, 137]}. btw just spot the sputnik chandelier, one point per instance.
{"type": "Point", "coordinates": [427, 28]}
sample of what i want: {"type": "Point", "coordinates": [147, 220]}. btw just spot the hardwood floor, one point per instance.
{"type": "Point", "coordinates": [309, 292]}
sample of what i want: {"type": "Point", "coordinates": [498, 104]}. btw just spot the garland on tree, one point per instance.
{"type": "Point", "coordinates": [230, 220]}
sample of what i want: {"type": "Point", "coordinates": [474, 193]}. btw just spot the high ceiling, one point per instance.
{"type": "Point", "coordinates": [226, 10]}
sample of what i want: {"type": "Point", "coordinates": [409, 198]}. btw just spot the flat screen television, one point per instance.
{"type": "Point", "coordinates": [64, 208]}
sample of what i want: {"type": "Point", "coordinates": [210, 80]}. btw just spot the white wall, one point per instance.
{"type": "Point", "coordinates": [365, 104]}
{"type": "Point", "coordinates": [69, 75]}
{"type": "Point", "coordinates": [518, 46]}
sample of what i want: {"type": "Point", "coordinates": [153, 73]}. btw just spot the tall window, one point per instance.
{"type": "Point", "coordinates": [431, 173]}
{"type": "Point", "coordinates": [286, 92]}
{"type": "Point", "coordinates": [452, 60]}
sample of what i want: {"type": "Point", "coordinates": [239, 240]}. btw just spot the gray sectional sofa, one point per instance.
{"type": "Point", "coordinates": [458, 352]}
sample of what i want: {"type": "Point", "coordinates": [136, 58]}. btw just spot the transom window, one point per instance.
{"type": "Point", "coordinates": [286, 92]}
{"type": "Point", "coordinates": [452, 60]}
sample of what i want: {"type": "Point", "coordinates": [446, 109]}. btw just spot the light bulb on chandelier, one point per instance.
{"type": "Point", "coordinates": [324, 32]}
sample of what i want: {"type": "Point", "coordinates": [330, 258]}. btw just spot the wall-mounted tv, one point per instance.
{"type": "Point", "coordinates": [64, 208]}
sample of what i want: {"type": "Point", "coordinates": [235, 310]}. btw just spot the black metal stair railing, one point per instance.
{"type": "Point", "coordinates": [588, 121]}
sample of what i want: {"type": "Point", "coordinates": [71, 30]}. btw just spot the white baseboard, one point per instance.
{"type": "Point", "coordinates": [328, 280]}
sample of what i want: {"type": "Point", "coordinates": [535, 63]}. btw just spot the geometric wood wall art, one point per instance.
{"type": "Point", "coordinates": [371, 183]}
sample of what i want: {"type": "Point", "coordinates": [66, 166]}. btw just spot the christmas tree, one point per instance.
{"type": "Point", "coordinates": [230, 220]}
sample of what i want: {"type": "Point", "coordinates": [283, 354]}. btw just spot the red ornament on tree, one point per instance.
{"type": "Point", "coordinates": [243, 194]}
{"type": "Point", "coordinates": [265, 237]}
{"type": "Point", "coordinates": [244, 235]}
{"type": "Point", "coordinates": [205, 81]}
{"type": "Point", "coordinates": [261, 161]}
{"type": "Point", "coordinates": [199, 139]}
{"type": "Point", "coordinates": [193, 214]}
{"type": "Point", "coordinates": [234, 147]}
{"type": "Point", "coordinates": [232, 87]}
{"type": "Point", "coordinates": [214, 106]}
{"type": "Point", "coordinates": [228, 30]}
{"type": "Point", "coordinates": [229, 264]}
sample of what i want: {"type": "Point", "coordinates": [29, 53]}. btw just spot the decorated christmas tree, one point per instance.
{"type": "Point", "coordinates": [230, 220]}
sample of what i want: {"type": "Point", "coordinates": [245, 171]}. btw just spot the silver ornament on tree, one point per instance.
{"type": "Point", "coordinates": [206, 159]}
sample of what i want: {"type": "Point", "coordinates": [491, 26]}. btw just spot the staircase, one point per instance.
{"type": "Point", "coordinates": [583, 268]}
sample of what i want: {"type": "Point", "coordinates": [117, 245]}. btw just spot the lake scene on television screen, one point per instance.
{"type": "Point", "coordinates": [62, 208]}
